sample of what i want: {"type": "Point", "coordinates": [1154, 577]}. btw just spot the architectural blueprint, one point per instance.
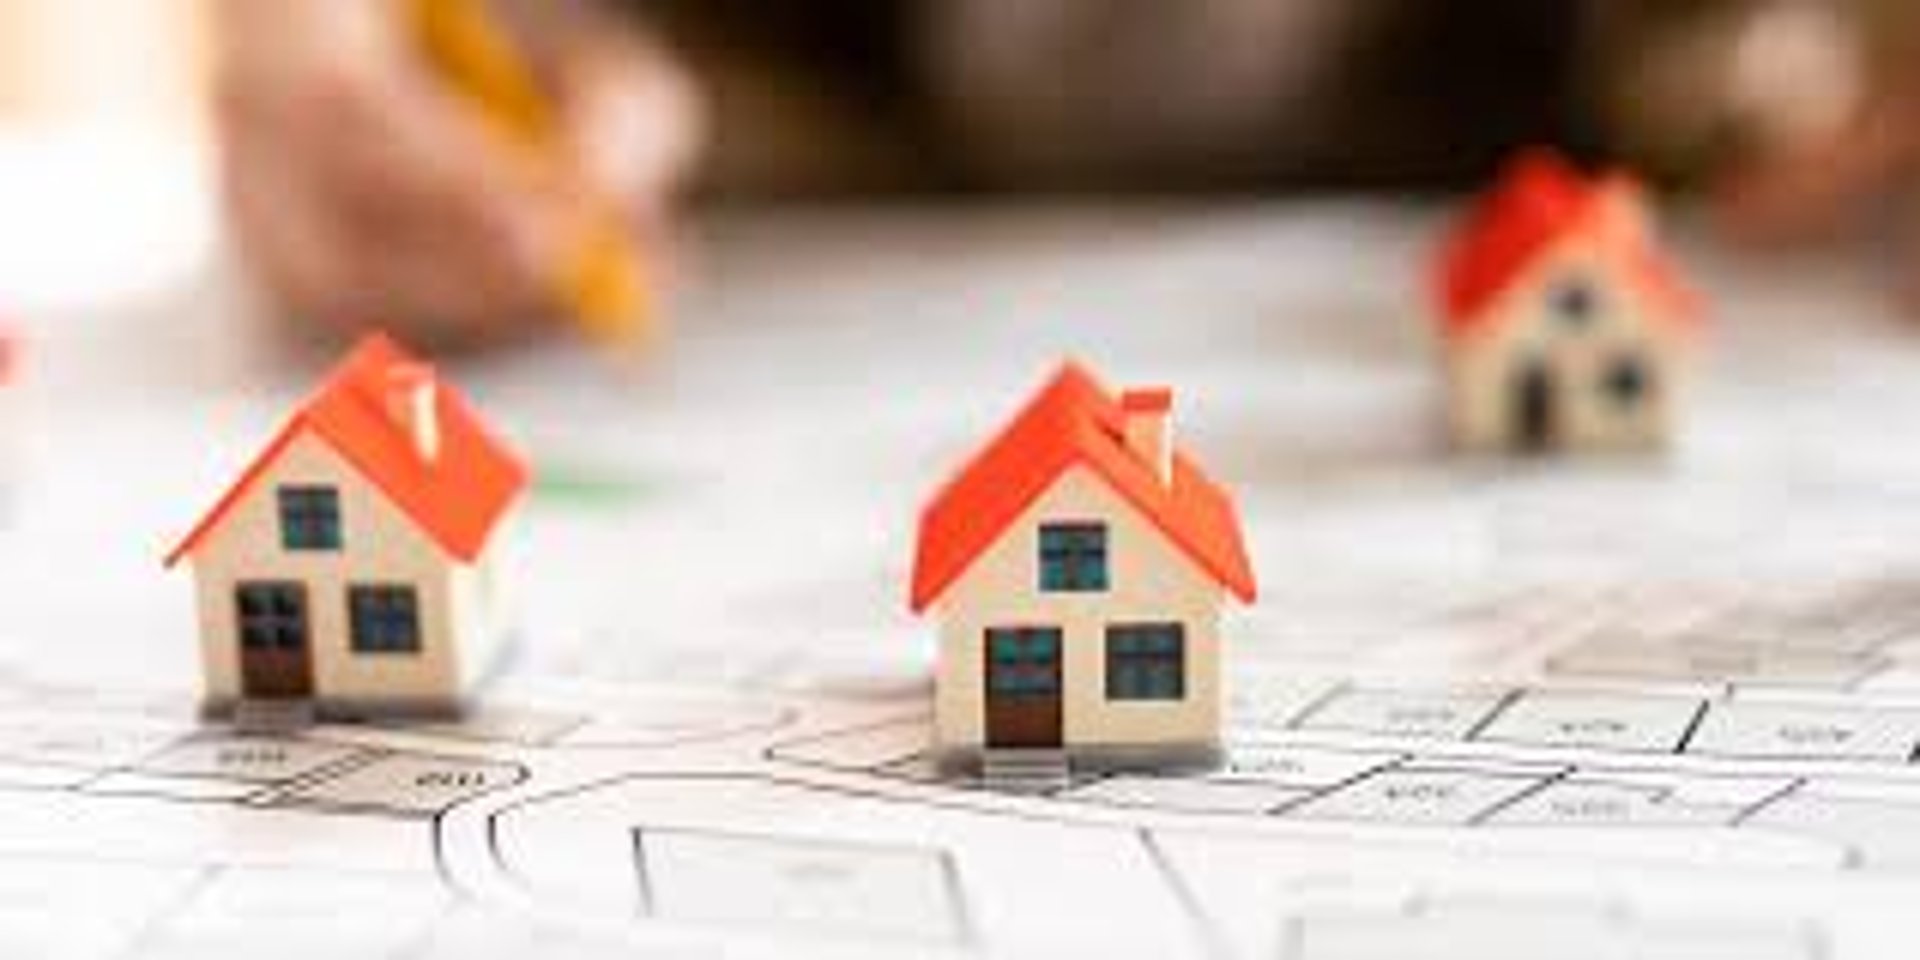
{"type": "Point", "coordinates": [1609, 709]}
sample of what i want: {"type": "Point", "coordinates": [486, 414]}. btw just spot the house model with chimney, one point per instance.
{"type": "Point", "coordinates": [1563, 324]}
{"type": "Point", "coordinates": [351, 566]}
{"type": "Point", "coordinates": [1077, 567]}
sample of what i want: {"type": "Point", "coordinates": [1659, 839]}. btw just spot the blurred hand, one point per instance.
{"type": "Point", "coordinates": [1845, 133]}
{"type": "Point", "coordinates": [363, 192]}
{"type": "Point", "coordinates": [1815, 188]}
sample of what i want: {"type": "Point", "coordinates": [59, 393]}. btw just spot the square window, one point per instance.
{"type": "Point", "coordinates": [384, 618]}
{"type": "Point", "coordinates": [1575, 301]}
{"type": "Point", "coordinates": [1073, 557]}
{"type": "Point", "coordinates": [1627, 380]}
{"type": "Point", "coordinates": [309, 518]}
{"type": "Point", "coordinates": [1146, 661]}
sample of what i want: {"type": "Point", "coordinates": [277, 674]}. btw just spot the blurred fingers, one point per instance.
{"type": "Point", "coordinates": [634, 122]}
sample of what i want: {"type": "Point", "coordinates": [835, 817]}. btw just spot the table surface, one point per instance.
{"type": "Point", "coordinates": [737, 517]}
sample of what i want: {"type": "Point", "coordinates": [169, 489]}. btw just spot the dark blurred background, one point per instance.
{"type": "Point", "coordinates": [1785, 121]}
{"type": "Point", "coordinates": [1233, 95]}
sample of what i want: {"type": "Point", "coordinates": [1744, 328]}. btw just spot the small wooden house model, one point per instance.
{"type": "Point", "coordinates": [1077, 566]}
{"type": "Point", "coordinates": [351, 565]}
{"type": "Point", "coordinates": [1563, 324]}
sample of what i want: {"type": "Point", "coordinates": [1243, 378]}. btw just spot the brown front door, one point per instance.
{"type": "Point", "coordinates": [1023, 686]}
{"type": "Point", "coordinates": [276, 658]}
{"type": "Point", "coordinates": [1535, 408]}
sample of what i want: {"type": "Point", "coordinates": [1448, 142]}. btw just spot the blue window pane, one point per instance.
{"type": "Point", "coordinates": [1073, 557]}
{"type": "Point", "coordinates": [1162, 681]}
{"type": "Point", "coordinates": [309, 518]}
{"type": "Point", "coordinates": [1146, 661]}
{"type": "Point", "coordinates": [1024, 682]}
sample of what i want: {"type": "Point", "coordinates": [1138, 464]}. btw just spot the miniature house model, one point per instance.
{"type": "Point", "coordinates": [351, 563]}
{"type": "Point", "coordinates": [1077, 567]}
{"type": "Point", "coordinates": [1563, 325]}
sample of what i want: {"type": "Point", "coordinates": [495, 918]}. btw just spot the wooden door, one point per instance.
{"type": "Point", "coordinates": [276, 653]}
{"type": "Point", "coordinates": [1023, 683]}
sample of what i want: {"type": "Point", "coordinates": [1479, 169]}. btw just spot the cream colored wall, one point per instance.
{"type": "Point", "coordinates": [379, 545]}
{"type": "Point", "coordinates": [1480, 368]}
{"type": "Point", "coordinates": [482, 611]}
{"type": "Point", "coordinates": [1151, 580]}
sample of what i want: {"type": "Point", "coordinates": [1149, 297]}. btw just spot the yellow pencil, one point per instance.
{"type": "Point", "coordinates": [601, 280]}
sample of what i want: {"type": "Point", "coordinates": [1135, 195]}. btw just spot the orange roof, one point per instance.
{"type": "Point", "coordinates": [456, 497]}
{"type": "Point", "coordinates": [1539, 200]}
{"type": "Point", "coordinates": [1072, 420]}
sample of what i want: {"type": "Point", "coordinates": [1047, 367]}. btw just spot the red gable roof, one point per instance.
{"type": "Point", "coordinates": [1541, 199]}
{"type": "Point", "coordinates": [1072, 420]}
{"type": "Point", "coordinates": [456, 497]}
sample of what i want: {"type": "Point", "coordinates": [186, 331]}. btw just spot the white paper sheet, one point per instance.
{"type": "Point", "coordinates": [1608, 709]}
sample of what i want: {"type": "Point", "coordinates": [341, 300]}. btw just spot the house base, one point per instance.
{"type": "Point", "coordinates": [1159, 758]}
{"type": "Point", "coordinates": [325, 708]}
{"type": "Point", "coordinates": [1623, 450]}
{"type": "Point", "coordinates": [335, 709]}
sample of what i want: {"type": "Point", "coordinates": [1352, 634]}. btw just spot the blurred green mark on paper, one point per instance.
{"type": "Point", "coordinates": [578, 484]}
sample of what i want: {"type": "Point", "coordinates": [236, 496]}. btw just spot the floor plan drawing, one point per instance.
{"type": "Point", "coordinates": [1479, 706]}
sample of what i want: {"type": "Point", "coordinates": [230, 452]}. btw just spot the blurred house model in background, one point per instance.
{"type": "Point", "coordinates": [1563, 324]}
{"type": "Point", "coordinates": [1077, 566]}
{"type": "Point", "coordinates": [351, 566]}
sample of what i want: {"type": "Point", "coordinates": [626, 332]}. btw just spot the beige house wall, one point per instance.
{"type": "Point", "coordinates": [481, 613]}
{"type": "Point", "coordinates": [380, 544]}
{"type": "Point", "coordinates": [1481, 367]}
{"type": "Point", "coordinates": [1150, 580]}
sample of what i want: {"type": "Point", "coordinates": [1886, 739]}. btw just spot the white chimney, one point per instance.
{"type": "Point", "coordinates": [1623, 209]}
{"type": "Point", "coordinates": [1147, 428]}
{"type": "Point", "coordinates": [413, 406]}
